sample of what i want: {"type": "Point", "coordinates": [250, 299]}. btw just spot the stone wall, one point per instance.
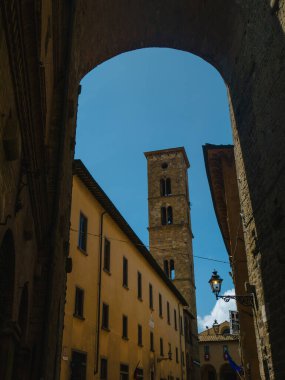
{"type": "Point", "coordinates": [51, 45]}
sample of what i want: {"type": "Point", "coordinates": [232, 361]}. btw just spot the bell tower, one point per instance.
{"type": "Point", "coordinates": [170, 234]}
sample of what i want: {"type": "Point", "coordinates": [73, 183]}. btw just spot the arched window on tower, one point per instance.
{"type": "Point", "coordinates": [163, 216]}
{"type": "Point", "coordinates": [165, 187]}
{"type": "Point", "coordinates": [172, 269]}
{"type": "Point", "coordinates": [168, 186]}
{"type": "Point", "coordinates": [169, 215]}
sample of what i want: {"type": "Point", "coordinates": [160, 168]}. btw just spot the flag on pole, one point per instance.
{"type": "Point", "coordinates": [234, 366]}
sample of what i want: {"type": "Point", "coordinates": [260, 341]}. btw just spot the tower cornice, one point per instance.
{"type": "Point", "coordinates": [169, 151]}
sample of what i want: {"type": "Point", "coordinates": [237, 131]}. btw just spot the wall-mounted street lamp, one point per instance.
{"type": "Point", "coordinates": [216, 284]}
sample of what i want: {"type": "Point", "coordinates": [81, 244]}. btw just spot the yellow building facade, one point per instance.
{"type": "Point", "coordinates": [213, 346]}
{"type": "Point", "coordinates": [123, 316]}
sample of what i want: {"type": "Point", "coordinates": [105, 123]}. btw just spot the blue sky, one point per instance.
{"type": "Point", "coordinates": [152, 99]}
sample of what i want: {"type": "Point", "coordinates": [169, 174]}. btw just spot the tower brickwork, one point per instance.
{"type": "Point", "coordinates": [170, 233]}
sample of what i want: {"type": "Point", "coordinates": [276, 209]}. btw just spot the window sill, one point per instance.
{"type": "Point", "coordinates": [79, 317]}
{"type": "Point", "coordinates": [107, 271]}
{"type": "Point", "coordinates": [82, 251]}
{"type": "Point", "coordinates": [152, 350]}
{"type": "Point", "coordinates": [140, 345]}
{"type": "Point", "coordinates": [161, 316]}
{"type": "Point", "coordinates": [140, 299]}
{"type": "Point", "coordinates": [105, 328]}
{"type": "Point", "coordinates": [125, 338]}
{"type": "Point", "coordinates": [151, 308]}
{"type": "Point", "coordinates": [126, 287]}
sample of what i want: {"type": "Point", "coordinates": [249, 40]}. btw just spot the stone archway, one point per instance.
{"type": "Point", "coordinates": [230, 36]}
{"type": "Point", "coordinates": [208, 372]}
{"type": "Point", "coordinates": [227, 373]}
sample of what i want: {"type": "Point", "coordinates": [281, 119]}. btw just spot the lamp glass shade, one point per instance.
{"type": "Point", "coordinates": [215, 283]}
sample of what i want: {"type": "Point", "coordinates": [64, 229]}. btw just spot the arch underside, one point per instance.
{"type": "Point", "coordinates": [208, 372]}
{"type": "Point", "coordinates": [211, 30]}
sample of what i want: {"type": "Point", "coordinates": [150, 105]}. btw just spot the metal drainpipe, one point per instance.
{"type": "Point", "coordinates": [99, 293]}
{"type": "Point", "coordinates": [179, 329]}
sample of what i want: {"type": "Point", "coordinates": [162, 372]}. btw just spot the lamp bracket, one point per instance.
{"type": "Point", "coordinates": [246, 300]}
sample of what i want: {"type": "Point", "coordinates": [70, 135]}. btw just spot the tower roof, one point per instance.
{"type": "Point", "coordinates": [169, 150]}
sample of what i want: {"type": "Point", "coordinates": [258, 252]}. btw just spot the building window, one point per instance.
{"type": "Point", "coordinates": [165, 187]}
{"type": "Point", "coordinates": [139, 335]}
{"type": "Point", "coordinates": [168, 313]}
{"type": "Point", "coordinates": [226, 331]}
{"type": "Point", "coordinates": [139, 374]}
{"type": "Point", "coordinates": [125, 272]}
{"type": "Point", "coordinates": [163, 216]}
{"type": "Point", "coordinates": [176, 355]}
{"type": "Point", "coordinates": [169, 269]}
{"type": "Point", "coordinates": [161, 346]}
{"type": "Point", "coordinates": [79, 302]}
{"type": "Point", "coordinates": [78, 365]}
{"type": "Point", "coordinates": [104, 369]}
{"type": "Point", "coordinates": [150, 297]}
{"type": "Point", "coordinates": [172, 269]}
{"type": "Point", "coordinates": [160, 305]}
{"type": "Point", "coordinates": [82, 237]}
{"type": "Point", "coordinates": [182, 358]}
{"type": "Point", "coordinates": [151, 341]}
{"type": "Point", "coordinates": [186, 329]}
{"type": "Point", "coordinates": [206, 352]}
{"type": "Point", "coordinates": [181, 326]}
{"type": "Point", "coordinates": [125, 327]}
{"type": "Point", "coordinates": [166, 215]}
{"type": "Point", "coordinates": [225, 351]}
{"type": "Point", "coordinates": [124, 372]}
{"type": "Point", "coordinates": [169, 215]}
{"type": "Point", "coordinates": [105, 316]}
{"type": "Point", "coordinates": [175, 320]}
{"type": "Point", "coordinates": [139, 285]}
{"type": "Point", "coordinates": [168, 186]}
{"type": "Point", "coordinates": [169, 351]}
{"type": "Point", "coordinates": [107, 253]}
